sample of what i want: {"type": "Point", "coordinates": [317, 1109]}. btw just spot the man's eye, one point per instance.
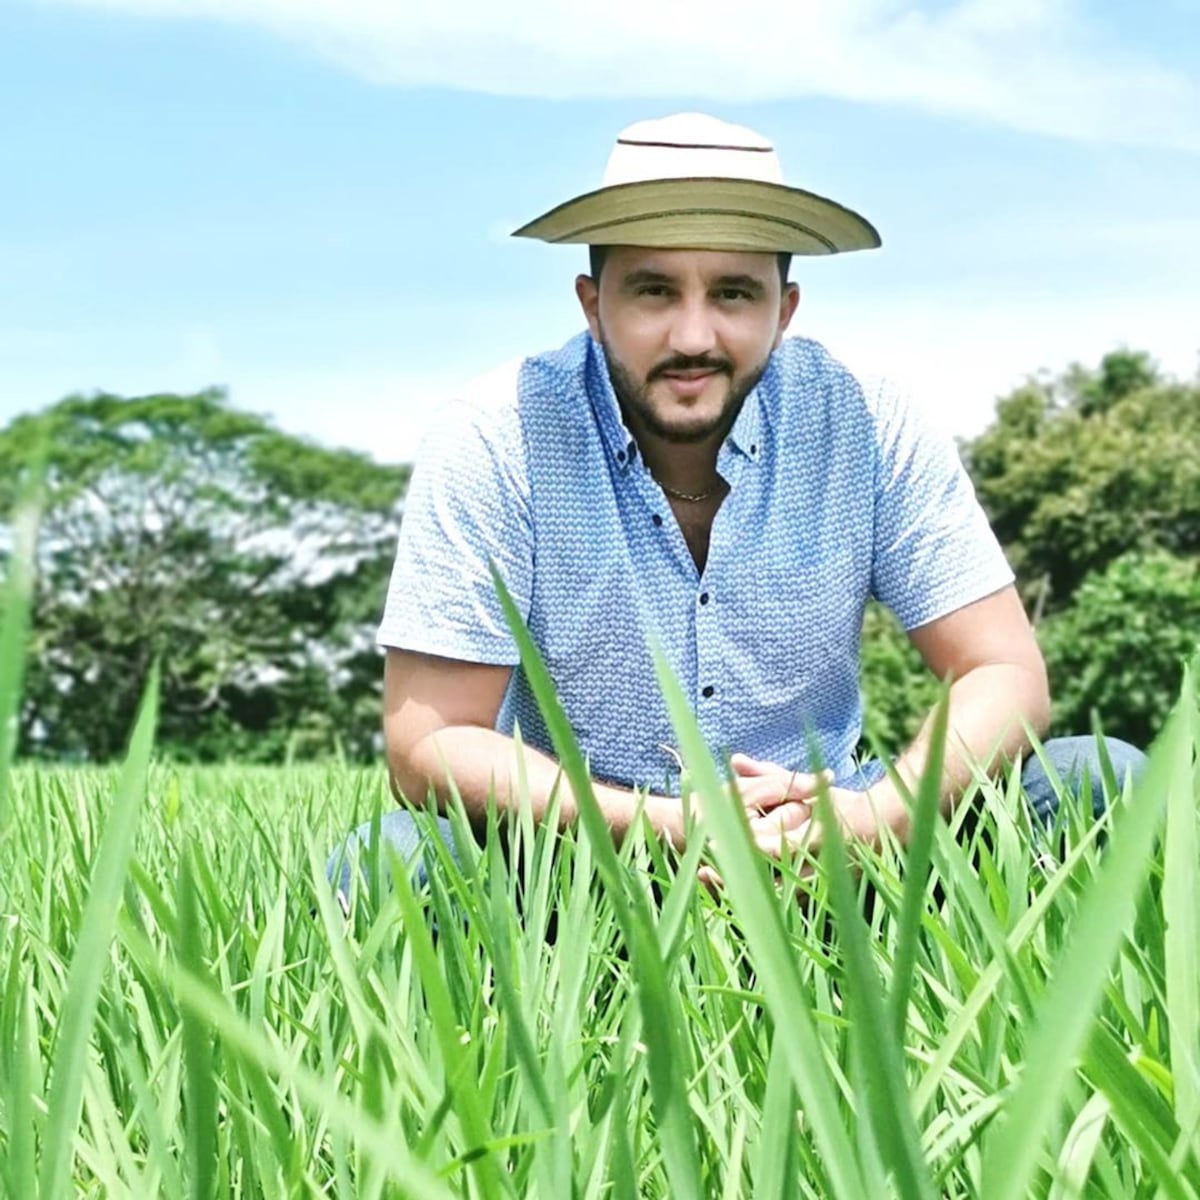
{"type": "Point", "coordinates": [652, 289]}
{"type": "Point", "coordinates": [734, 294]}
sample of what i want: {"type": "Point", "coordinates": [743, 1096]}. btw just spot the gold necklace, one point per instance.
{"type": "Point", "coordinates": [690, 497]}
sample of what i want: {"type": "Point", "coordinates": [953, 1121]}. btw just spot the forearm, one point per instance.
{"type": "Point", "coordinates": [485, 764]}
{"type": "Point", "coordinates": [991, 708]}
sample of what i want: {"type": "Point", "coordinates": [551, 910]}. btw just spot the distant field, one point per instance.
{"type": "Point", "coordinates": [185, 1012]}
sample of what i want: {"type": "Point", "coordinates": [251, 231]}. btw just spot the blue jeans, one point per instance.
{"type": "Point", "coordinates": [1072, 758]}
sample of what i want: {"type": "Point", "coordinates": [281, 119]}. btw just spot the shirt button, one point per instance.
{"type": "Point", "coordinates": [656, 519]}
{"type": "Point", "coordinates": [707, 691]}
{"type": "Point", "coordinates": [620, 456]}
{"type": "Point", "coordinates": [703, 597]}
{"type": "Point", "coordinates": [754, 448]}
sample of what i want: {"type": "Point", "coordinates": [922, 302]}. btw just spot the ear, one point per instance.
{"type": "Point", "coordinates": [787, 310]}
{"type": "Point", "coordinates": [588, 295]}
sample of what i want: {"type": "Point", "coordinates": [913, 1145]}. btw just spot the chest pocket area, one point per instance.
{"type": "Point", "coordinates": [802, 621]}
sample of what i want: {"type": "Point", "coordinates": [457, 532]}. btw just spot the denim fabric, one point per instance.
{"type": "Point", "coordinates": [403, 833]}
{"type": "Point", "coordinates": [1071, 759]}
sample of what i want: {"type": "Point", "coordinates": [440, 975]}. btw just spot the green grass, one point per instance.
{"type": "Point", "coordinates": [188, 1014]}
{"type": "Point", "coordinates": [185, 1011]}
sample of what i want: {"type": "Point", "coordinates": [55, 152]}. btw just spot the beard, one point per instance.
{"type": "Point", "coordinates": [634, 396]}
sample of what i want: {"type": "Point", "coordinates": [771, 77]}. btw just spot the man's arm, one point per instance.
{"type": "Point", "coordinates": [998, 690]}
{"type": "Point", "coordinates": [439, 717]}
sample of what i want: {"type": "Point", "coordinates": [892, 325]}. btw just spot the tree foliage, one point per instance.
{"type": "Point", "coordinates": [1092, 483]}
{"type": "Point", "coordinates": [898, 690]}
{"type": "Point", "coordinates": [252, 563]}
{"type": "Point", "coordinates": [1119, 650]}
{"type": "Point", "coordinates": [1076, 471]}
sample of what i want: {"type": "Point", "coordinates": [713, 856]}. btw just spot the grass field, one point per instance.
{"type": "Point", "coordinates": [186, 1012]}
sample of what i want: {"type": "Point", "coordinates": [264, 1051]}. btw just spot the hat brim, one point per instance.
{"type": "Point", "coordinates": [706, 214]}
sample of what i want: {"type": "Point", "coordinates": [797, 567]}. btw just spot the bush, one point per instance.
{"type": "Point", "coordinates": [1119, 650]}
{"type": "Point", "coordinates": [898, 689]}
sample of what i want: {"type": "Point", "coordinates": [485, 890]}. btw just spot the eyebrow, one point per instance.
{"type": "Point", "coordinates": [646, 275]}
{"type": "Point", "coordinates": [747, 282]}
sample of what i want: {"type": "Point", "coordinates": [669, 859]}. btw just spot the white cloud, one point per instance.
{"type": "Point", "coordinates": [956, 360]}
{"type": "Point", "coordinates": [1037, 65]}
{"type": "Point", "coordinates": [384, 413]}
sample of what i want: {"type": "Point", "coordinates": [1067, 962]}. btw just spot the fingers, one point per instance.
{"type": "Point", "coordinates": [746, 766]}
{"type": "Point", "coordinates": [763, 786]}
{"type": "Point", "coordinates": [789, 825]}
{"type": "Point", "coordinates": [784, 817]}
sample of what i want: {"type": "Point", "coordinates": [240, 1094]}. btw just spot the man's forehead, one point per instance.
{"type": "Point", "coordinates": [628, 260]}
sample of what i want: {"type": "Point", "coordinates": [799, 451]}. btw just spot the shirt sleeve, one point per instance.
{"type": "Point", "coordinates": [934, 551]}
{"type": "Point", "coordinates": [467, 507]}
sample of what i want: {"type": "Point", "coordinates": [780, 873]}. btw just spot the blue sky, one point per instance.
{"type": "Point", "coordinates": [309, 201]}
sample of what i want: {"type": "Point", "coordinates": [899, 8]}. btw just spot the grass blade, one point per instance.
{"type": "Point", "coordinates": [926, 814]}
{"type": "Point", "coordinates": [660, 1013]}
{"type": "Point", "coordinates": [19, 1099]}
{"type": "Point", "coordinates": [1065, 1012]}
{"type": "Point", "coordinates": [411, 1179]}
{"type": "Point", "coordinates": [465, 1097]}
{"type": "Point", "coordinates": [1181, 910]}
{"type": "Point", "coordinates": [889, 1108]}
{"type": "Point", "coordinates": [199, 1067]}
{"type": "Point", "coordinates": [92, 953]}
{"type": "Point", "coordinates": [1143, 1115]}
{"type": "Point", "coordinates": [775, 1173]}
{"type": "Point", "coordinates": [751, 893]}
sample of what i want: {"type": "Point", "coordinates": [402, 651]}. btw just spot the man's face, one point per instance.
{"type": "Point", "coordinates": [687, 333]}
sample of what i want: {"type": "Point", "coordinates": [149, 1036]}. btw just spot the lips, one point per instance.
{"type": "Point", "coordinates": [688, 383]}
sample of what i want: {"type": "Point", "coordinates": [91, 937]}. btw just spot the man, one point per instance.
{"type": "Point", "coordinates": [681, 476]}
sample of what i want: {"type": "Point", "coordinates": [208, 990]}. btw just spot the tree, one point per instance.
{"type": "Point", "coordinates": [1118, 652]}
{"type": "Point", "coordinates": [898, 689]}
{"type": "Point", "coordinates": [1079, 470]}
{"type": "Point", "coordinates": [253, 563]}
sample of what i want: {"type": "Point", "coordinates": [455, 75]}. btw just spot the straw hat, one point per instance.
{"type": "Point", "coordinates": [692, 182]}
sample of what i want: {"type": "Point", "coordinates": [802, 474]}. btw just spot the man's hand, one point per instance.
{"type": "Point", "coordinates": [798, 826]}
{"type": "Point", "coordinates": [779, 803]}
{"type": "Point", "coordinates": [765, 786]}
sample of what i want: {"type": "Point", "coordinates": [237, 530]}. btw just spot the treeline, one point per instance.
{"type": "Point", "coordinates": [250, 563]}
{"type": "Point", "coordinates": [253, 565]}
{"type": "Point", "coordinates": [1091, 480]}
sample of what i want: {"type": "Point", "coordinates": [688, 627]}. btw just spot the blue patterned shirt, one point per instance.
{"type": "Point", "coordinates": [837, 492]}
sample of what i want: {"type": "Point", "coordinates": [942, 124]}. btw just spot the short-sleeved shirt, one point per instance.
{"type": "Point", "coordinates": [837, 492]}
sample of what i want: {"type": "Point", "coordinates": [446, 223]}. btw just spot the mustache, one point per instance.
{"type": "Point", "coordinates": [683, 363]}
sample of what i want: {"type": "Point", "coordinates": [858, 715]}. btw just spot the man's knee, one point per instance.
{"type": "Point", "coordinates": [1078, 765]}
{"type": "Point", "coordinates": [401, 834]}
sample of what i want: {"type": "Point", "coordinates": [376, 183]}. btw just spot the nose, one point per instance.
{"type": "Point", "coordinates": [692, 330]}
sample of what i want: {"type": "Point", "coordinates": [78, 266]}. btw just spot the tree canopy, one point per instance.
{"type": "Point", "coordinates": [1118, 650]}
{"type": "Point", "coordinates": [1091, 480]}
{"type": "Point", "coordinates": [1077, 470]}
{"type": "Point", "coordinates": [251, 562]}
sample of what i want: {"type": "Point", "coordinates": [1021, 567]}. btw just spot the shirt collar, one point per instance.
{"type": "Point", "coordinates": [745, 436]}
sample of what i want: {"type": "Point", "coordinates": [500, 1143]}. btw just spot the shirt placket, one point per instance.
{"type": "Point", "coordinates": [711, 673]}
